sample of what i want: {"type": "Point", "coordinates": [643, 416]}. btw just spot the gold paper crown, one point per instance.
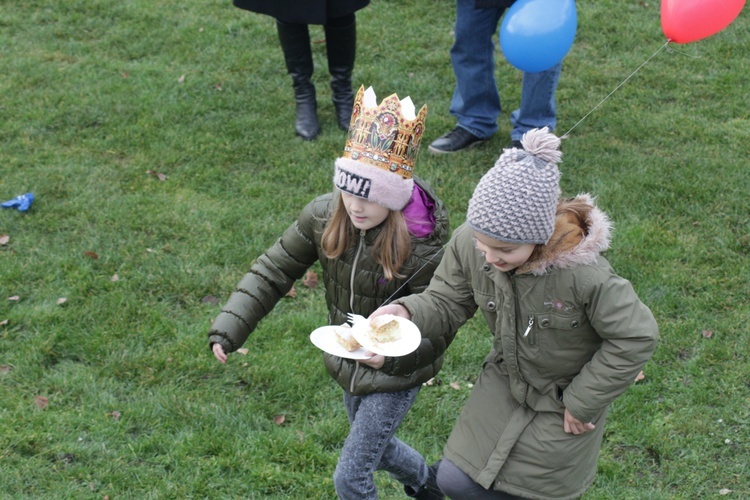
{"type": "Point", "coordinates": [383, 137]}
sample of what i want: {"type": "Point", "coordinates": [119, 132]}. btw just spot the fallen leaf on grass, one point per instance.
{"type": "Point", "coordinates": [14, 298]}
{"type": "Point", "coordinates": [91, 254]}
{"type": "Point", "coordinates": [218, 87]}
{"type": "Point", "coordinates": [706, 334]}
{"type": "Point", "coordinates": [61, 301]}
{"type": "Point", "coordinates": [279, 419]}
{"type": "Point", "coordinates": [4, 322]}
{"type": "Point", "coordinates": [5, 369]}
{"type": "Point", "coordinates": [455, 385]}
{"type": "Point", "coordinates": [158, 175]}
{"type": "Point", "coordinates": [210, 299]}
{"type": "Point", "coordinates": [4, 239]}
{"type": "Point", "coordinates": [311, 279]}
{"type": "Point", "coordinates": [725, 491]}
{"type": "Point", "coordinates": [114, 278]}
{"type": "Point", "coordinates": [115, 415]}
{"type": "Point", "coordinates": [41, 402]}
{"type": "Point", "coordinates": [181, 79]}
{"type": "Point", "coordinates": [640, 376]}
{"type": "Point", "coordinates": [243, 351]}
{"type": "Point", "coordinates": [291, 293]}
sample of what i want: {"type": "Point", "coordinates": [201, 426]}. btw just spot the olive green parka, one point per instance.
{"type": "Point", "coordinates": [568, 333]}
{"type": "Point", "coordinates": [354, 282]}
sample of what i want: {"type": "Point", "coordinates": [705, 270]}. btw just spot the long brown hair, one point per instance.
{"type": "Point", "coordinates": [391, 247]}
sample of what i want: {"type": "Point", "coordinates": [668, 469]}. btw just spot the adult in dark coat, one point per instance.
{"type": "Point", "coordinates": [339, 23]}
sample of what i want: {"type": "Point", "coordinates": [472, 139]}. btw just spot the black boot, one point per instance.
{"type": "Point", "coordinates": [295, 42]}
{"type": "Point", "coordinates": [341, 48]}
{"type": "Point", "coordinates": [429, 490]}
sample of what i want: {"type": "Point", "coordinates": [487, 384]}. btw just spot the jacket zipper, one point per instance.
{"type": "Point", "coordinates": [360, 246]}
{"type": "Point", "coordinates": [529, 339]}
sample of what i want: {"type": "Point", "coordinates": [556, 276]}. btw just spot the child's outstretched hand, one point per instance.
{"type": "Point", "coordinates": [219, 353]}
{"type": "Point", "coordinates": [574, 426]}
{"type": "Point", "coordinates": [395, 309]}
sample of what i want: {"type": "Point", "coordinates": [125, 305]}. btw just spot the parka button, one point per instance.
{"type": "Point", "coordinates": [491, 305]}
{"type": "Point", "coordinates": [486, 267]}
{"type": "Point", "coordinates": [544, 323]}
{"type": "Point", "coordinates": [575, 323]}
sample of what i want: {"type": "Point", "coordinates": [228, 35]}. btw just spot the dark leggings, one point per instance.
{"type": "Point", "coordinates": [459, 486]}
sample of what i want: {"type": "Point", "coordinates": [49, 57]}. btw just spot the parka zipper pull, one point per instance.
{"type": "Point", "coordinates": [528, 328]}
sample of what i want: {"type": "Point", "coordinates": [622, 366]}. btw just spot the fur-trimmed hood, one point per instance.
{"type": "Point", "coordinates": [582, 232]}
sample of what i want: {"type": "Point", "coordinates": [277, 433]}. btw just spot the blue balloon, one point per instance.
{"type": "Point", "coordinates": [536, 34]}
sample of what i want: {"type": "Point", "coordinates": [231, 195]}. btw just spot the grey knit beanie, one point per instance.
{"type": "Point", "coordinates": [516, 200]}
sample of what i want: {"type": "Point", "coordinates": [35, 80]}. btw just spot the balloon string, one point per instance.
{"type": "Point", "coordinates": [565, 135]}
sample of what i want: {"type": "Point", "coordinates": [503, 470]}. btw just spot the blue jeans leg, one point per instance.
{"type": "Point", "coordinates": [476, 102]}
{"type": "Point", "coordinates": [537, 102]}
{"type": "Point", "coordinates": [370, 446]}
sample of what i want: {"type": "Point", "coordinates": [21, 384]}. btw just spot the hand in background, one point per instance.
{"type": "Point", "coordinates": [376, 361]}
{"type": "Point", "coordinates": [219, 353]}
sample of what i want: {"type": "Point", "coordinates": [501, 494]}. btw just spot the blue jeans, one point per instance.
{"type": "Point", "coordinates": [476, 102]}
{"type": "Point", "coordinates": [370, 445]}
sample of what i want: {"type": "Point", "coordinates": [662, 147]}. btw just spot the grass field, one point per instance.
{"type": "Point", "coordinates": [157, 137]}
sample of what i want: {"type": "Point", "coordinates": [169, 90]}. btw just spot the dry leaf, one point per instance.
{"type": "Point", "coordinates": [640, 376]}
{"type": "Point", "coordinates": [707, 334]}
{"type": "Point", "coordinates": [181, 79]}
{"type": "Point", "coordinates": [311, 279]}
{"type": "Point", "coordinates": [210, 299]}
{"type": "Point", "coordinates": [243, 351]}
{"type": "Point", "coordinates": [291, 293]}
{"type": "Point", "coordinates": [158, 175]}
{"type": "Point", "coordinates": [61, 301]}
{"type": "Point", "coordinates": [150, 250]}
{"type": "Point", "coordinates": [430, 382]}
{"type": "Point", "coordinates": [114, 278]}
{"type": "Point", "coordinates": [41, 402]}
{"type": "Point", "coordinates": [5, 369]}
{"type": "Point", "coordinates": [455, 386]}
{"type": "Point", "coordinates": [725, 491]}
{"type": "Point", "coordinates": [15, 298]}
{"type": "Point", "coordinates": [4, 322]}
{"type": "Point", "coordinates": [218, 87]}
{"type": "Point", "coordinates": [279, 419]}
{"type": "Point", "coordinates": [4, 239]}
{"type": "Point", "coordinates": [92, 254]}
{"type": "Point", "coordinates": [115, 415]}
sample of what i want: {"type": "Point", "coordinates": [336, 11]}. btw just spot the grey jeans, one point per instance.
{"type": "Point", "coordinates": [371, 445]}
{"type": "Point", "coordinates": [459, 486]}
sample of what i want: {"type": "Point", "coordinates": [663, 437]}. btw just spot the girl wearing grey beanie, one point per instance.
{"type": "Point", "coordinates": [569, 334]}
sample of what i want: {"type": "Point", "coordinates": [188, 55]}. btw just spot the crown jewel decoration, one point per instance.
{"type": "Point", "coordinates": [386, 136]}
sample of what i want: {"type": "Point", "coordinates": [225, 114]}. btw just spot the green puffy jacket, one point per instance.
{"type": "Point", "coordinates": [353, 283]}
{"type": "Point", "coordinates": [568, 332]}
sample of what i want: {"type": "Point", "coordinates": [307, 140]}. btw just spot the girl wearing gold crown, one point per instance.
{"type": "Point", "coordinates": [378, 236]}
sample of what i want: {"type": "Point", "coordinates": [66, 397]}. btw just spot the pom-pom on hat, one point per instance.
{"type": "Point", "coordinates": [381, 148]}
{"type": "Point", "coordinates": [516, 200]}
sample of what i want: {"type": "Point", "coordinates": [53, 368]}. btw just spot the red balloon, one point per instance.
{"type": "Point", "coordinates": [684, 21]}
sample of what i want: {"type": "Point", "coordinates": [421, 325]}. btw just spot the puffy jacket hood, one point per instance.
{"type": "Point", "coordinates": [582, 232]}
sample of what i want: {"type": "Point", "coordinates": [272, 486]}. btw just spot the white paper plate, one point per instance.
{"type": "Point", "coordinates": [324, 338]}
{"type": "Point", "coordinates": [409, 341]}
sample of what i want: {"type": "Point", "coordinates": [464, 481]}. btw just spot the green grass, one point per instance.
{"type": "Point", "coordinates": [96, 94]}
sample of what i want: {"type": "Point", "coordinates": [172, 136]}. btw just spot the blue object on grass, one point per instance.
{"type": "Point", "coordinates": [22, 202]}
